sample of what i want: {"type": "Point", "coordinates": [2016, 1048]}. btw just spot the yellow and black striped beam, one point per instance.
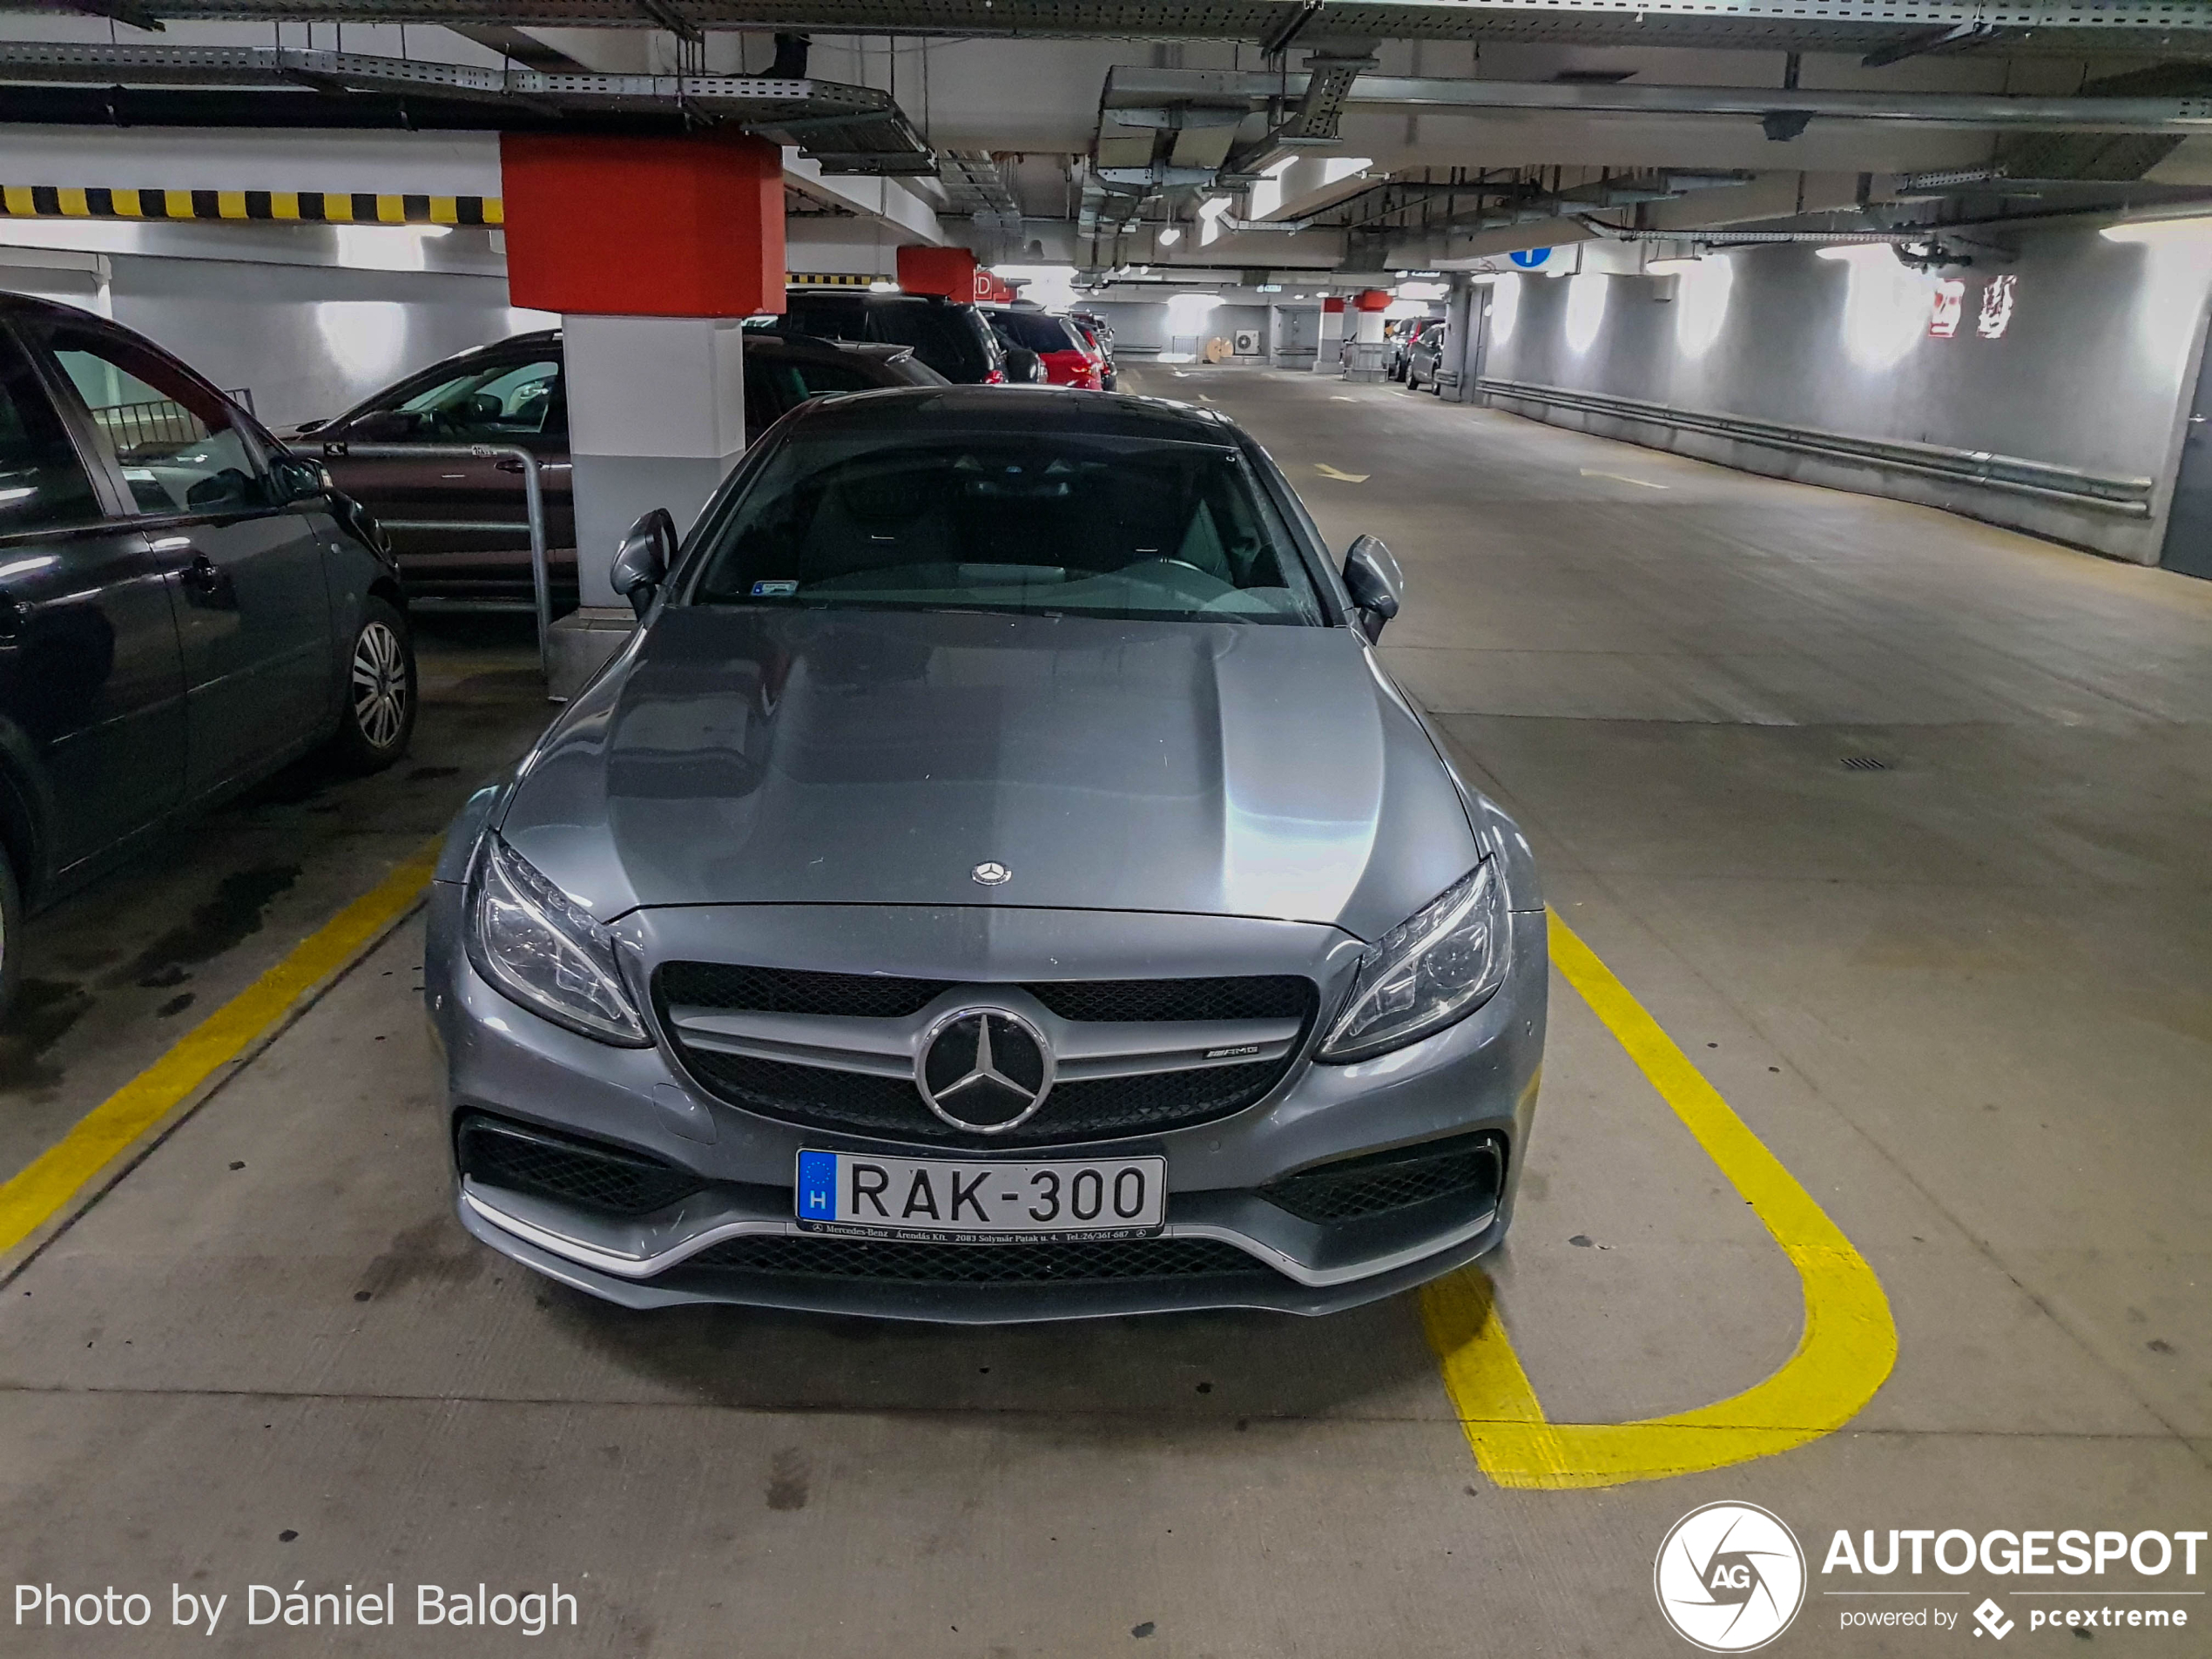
{"type": "Point", "coordinates": [820, 280]}
{"type": "Point", "coordinates": [281, 206]}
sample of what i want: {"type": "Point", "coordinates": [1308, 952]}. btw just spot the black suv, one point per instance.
{"type": "Point", "coordinates": [184, 606]}
{"type": "Point", "coordinates": [948, 335]}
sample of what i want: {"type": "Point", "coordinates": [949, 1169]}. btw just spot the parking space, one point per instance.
{"type": "Point", "coordinates": [1890, 826]}
{"type": "Point", "coordinates": [116, 973]}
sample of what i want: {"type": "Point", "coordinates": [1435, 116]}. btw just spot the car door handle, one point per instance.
{"type": "Point", "coordinates": [201, 576]}
{"type": "Point", "coordinates": [13, 614]}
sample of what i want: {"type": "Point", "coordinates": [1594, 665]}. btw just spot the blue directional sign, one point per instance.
{"type": "Point", "coordinates": [1529, 257]}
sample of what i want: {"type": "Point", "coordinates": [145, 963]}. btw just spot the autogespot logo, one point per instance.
{"type": "Point", "coordinates": [1729, 1577]}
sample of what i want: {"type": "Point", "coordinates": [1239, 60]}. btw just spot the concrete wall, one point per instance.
{"type": "Point", "coordinates": [308, 319]}
{"type": "Point", "coordinates": [2092, 371]}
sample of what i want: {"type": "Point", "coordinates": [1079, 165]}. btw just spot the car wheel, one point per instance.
{"type": "Point", "coordinates": [378, 718]}
{"type": "Point", "coordinates": [11, 932]}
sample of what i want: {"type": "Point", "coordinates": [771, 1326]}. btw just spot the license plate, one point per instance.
{"type": "Point", "coordinates": [950, 1201]}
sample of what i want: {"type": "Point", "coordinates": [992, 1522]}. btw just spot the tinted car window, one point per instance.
{"type": "Point", "coordinates": [180, 449]}
{"type": "Point", "coordinates": [495, 402]}
{"type": "Point", "coordinates": [1033, 331]}
{"type": "Point", "coordinates": [42, 483]}
{"type": "Point", "coordinates": [1063, 523]}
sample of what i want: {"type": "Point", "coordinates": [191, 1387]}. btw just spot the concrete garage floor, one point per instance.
{"type": "Point", "coordinates": [1965, 998]}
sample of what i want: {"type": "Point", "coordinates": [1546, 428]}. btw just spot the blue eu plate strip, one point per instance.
{"type": "Point", "coordinates": [818, 1186]}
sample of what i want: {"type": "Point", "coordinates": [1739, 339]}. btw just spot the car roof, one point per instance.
{"type": "Point", "coordinates": [1024, 408]}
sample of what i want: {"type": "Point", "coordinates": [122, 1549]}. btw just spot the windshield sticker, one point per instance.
{"type": "Point", "coordinates": [774, 589]}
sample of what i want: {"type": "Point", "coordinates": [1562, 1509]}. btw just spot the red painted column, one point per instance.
{"type": "Point", "coordinates": [654, 250]}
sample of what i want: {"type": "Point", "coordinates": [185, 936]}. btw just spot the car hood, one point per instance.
{"type": "Point", "coordinates": [743, 755]}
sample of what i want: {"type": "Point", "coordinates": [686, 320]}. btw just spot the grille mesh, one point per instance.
{"type": "Point", "coordinates": [579, 1172]}
{"type": "Point", "coordinates": [1068, 1262]}
{"type": "Point", "coordinates": [1087, 1109]}
{"type": "Point", "coordinates": [1375, 1186]}
{"type": "Point", "coordinates": [775, 990]}
{"type": "Point", "coordinates": [873, 1105]}
{"type": "Point", "coordinates": [782, 991]}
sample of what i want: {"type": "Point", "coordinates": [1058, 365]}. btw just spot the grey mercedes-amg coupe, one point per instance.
{"type": "Point", "coordinates": [997, 881]}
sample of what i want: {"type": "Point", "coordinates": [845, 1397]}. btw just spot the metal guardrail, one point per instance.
{"type": "Point", "coordinates": [2129, 497]}
{"type": "Point", "coordinates": [533, 506]}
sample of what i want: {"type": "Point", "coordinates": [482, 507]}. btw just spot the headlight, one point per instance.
{"type": "Point", "coordinates": [1439, 965]}
{"type": "Point", "coordinates": [530, 941]}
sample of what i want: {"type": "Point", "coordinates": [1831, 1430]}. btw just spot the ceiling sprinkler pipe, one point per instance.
{"type": "Point", "coordinates": [1747, 239]}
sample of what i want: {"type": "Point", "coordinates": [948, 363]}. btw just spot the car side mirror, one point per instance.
{"type": "Point", "coordinates": [297, 478]}
{"type": "Point", "coordinates": [641, 563]}
{"type": "Point", "coordinates": [306, 427]}
{"type": "Point", "coordinates": [1377, 585]}
{"type": "Point", "coordinates": [1024, 366]}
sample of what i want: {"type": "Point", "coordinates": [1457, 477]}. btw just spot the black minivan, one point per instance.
{"type": "Point", "coordinates": [185, 606]}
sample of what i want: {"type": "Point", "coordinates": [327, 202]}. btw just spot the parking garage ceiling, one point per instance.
{"type": "Point", "coordinates": [2159, 27]}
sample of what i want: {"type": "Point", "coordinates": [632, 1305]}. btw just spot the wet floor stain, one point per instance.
{"type": "Point", "coordinates": [43, 1010]}
{"type": "Point", "coordinates": [788, 1479]}
{"type": "Point", "coordinates": [225, 922]}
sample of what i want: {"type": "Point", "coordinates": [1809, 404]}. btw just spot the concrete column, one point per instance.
{"type": "Point", "coordinates": [654, 250]}
{"type": "Point", "coordinates": [1461, 312]}
{"type": "Point", "coordinates": [656, 419]}
{"type": "Point", "coordinates": [1331, 341]}
{"type": "Point", "coordinates": [1370, 356]}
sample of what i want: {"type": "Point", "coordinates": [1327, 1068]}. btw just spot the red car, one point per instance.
{"type": "Point", "coordinates": [1100, 339]}
{"type": "Point", "coordinates": [1067, 356]}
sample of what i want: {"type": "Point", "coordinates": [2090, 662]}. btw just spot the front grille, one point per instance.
{"type": "Point", "coordinates": [1388, 1181]}
{"type": "Point", "coordinates": [1089, 1108]}
{"type": "Point", "coordinates": [594, 1177]}
{"type": "Point", "coordinates": [1070, 1262]}
{"type": "Point", "coordinates": [785, 990]}
{"type": "Point", "coordinates": [868, 1104]}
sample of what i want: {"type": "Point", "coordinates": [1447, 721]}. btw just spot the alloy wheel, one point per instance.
{"type": "Point", "coordinates": [380, 685]}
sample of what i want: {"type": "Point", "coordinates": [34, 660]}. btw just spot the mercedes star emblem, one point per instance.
{"type": "Point", "coordinates": [991, 873]}
{"type": "Point", "coordinates": [984, 1069]}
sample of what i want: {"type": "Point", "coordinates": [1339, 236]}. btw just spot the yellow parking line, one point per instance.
{"type": "Point", "coordinates": [76, 1162]}
{"type": "Point", "coordinates": [1844, 1354]}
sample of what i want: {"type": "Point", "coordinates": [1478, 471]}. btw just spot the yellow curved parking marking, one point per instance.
{"type": "Point", "coordinates": [1342, 478]}
{"type": "Point", "coordinates": [1845, 1353]}
{"type": "Point", "coordinates": [75, 1164]}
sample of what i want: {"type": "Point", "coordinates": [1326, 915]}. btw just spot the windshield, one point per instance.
{"type": "Point", "coordinates": [1071, 524]}
{"type": "Point", "coordinates": [1033, 330]}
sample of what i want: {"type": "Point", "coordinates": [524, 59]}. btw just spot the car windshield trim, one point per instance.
{"type": "Point", "coordinates": [1059, 523]}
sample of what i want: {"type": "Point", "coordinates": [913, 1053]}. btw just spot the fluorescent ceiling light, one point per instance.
{"type": "Point", "coordinates": [1671, 267]}
{"type": "Point", "coordinates": [1276, 169]}
{"type": "Point", "coordinates": [2158, 230]}
{"type": "Point", "coordinates": [1169, 237]}
{"type": "Point", "coordinates": [1856, 251]}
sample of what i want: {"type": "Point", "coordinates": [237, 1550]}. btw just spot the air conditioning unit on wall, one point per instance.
{"type": "Point", "coordinates": [1246, 342]}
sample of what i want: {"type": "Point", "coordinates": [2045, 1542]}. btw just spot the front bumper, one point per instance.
{"type": "Point", "coordinates": [1478, 1077]}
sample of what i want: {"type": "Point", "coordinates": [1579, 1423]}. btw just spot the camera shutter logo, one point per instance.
{"type": "Point", "coordinates": [1729, 1577]}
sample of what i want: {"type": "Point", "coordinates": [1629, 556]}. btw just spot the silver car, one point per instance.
{"type": "Point", "coordinates": [997, 881]}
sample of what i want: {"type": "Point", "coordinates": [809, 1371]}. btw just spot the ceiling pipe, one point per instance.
{"type": "Point", "coordinates": [1976, 111]}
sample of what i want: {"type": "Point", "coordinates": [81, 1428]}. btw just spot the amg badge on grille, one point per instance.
{"type": "Point", "coordinates": [991, 873]}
